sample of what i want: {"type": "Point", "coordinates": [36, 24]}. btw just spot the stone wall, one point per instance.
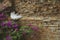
{"type": "Point", "coordinates": [49, 28]}
{"type": "Point", "coordinates": [44, 14]}
{"type": "Point", "coordinates": [4, 4]}
{"type": "Point", "coordinates": [36, 8]}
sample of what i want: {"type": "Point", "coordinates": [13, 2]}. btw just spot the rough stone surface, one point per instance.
{"type": "Point", "coordinates": [44, 14]}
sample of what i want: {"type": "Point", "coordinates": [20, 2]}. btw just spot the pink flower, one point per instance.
{"type": "Point", "coordinates": [35, 28]}
{"type": "Point", "coordinates": [3, 24]}
{"type": "Point", "coordinates": [15, 26]}
{"type": "Point", "coordinates": [29, 24]}
{"type": "Point", "coordinates": [9, 24]}
{"type": "Point", "coordinates": [8, 37]}
{"type": "Point", "coordinates": [2, 16]}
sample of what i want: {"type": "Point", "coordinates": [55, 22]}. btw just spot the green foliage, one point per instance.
{"type": "Point", "coordinates": [12, 30]}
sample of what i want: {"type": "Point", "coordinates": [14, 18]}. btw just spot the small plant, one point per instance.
{"type": "Point", "coordinates": [10, 30]}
